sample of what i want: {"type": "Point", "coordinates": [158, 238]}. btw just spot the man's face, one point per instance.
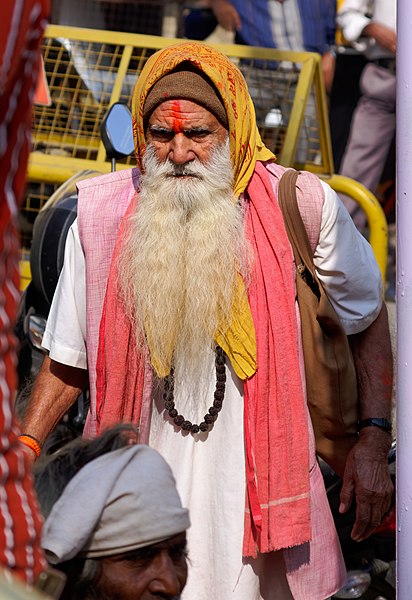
{"type": "Point", "coordinates": [181, 130]}
{"type": "Point", "coordinates": [156, 571]}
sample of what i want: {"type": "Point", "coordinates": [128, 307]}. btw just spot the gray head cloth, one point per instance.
{"type": "Point", "coordinates": [123, 500]}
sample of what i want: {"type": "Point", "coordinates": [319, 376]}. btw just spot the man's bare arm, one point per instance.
{"type": "Point", "coordinates": [55, 390]}
{"type": "Point", "coordinates": [385, 36]}
{"type": "Point", "coordinates": [367, 473]}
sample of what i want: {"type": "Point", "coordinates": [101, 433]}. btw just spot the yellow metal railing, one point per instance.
{"type": "Point", "coordinates": [378, 226]}
{"type": "Point", "coordinates": [88, 70]}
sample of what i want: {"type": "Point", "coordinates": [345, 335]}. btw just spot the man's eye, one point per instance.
{"type": "Point", "coordinates": [161, 135]}
{"type": "Point", "coordinates": [197, 135]}
{"type": "Point", "coordinates": [140, 556]}
{"type": "Point", "coordinates": [178, 553]}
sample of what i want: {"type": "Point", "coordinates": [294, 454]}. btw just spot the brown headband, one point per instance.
{"type": "Point", "coordinates": [185, 85]}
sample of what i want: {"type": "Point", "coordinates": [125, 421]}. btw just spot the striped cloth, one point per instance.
{"type": "Point", "coordinates": [289, 25]}
{"type": "Point", "coordinates": [21, 27]}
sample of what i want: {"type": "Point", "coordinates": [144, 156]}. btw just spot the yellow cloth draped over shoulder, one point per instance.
{"type": "Point", "coordinates": [246, 147]}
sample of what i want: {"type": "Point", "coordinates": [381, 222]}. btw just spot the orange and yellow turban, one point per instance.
{"type": "Point", "coordinates": [245, 142]}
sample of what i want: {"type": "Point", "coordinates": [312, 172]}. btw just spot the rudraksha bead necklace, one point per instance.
{"type": "Point", "coordinates": [213, 412]}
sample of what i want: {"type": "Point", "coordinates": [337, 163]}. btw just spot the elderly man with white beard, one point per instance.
{"type": "Point", "coordinates": [178, 295]}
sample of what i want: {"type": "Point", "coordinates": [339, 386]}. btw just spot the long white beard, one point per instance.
{"type": "Point", "coordinates": [182, 253]}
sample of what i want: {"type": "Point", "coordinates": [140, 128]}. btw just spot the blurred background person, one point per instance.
{"type": "Point", "coordinates": [307, 26]}
{"type": "Point", "coordinates": [371, 28]}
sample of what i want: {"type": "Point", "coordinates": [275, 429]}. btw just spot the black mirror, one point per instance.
{"type": "Point", "coordinates": [116, 131]}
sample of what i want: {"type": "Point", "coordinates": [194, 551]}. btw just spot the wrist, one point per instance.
{"type": "Point", "coordinates": [330, 51]}
{"type": "Point", "coordinates": [375, 422]}
{"type": "Point", "coordinates": [377, 438]}
{"type": "Point", "coordinates": [30, 442]}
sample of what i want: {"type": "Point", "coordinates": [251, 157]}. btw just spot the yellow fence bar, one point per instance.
{"type": "Point", "coordinates": [378, 226]}
{"type": "Point", "coordinates": [61, 168]}
{"type": "Point", "coordinates": [117, 88]}
{"type": "Point", "coordinates": [89, 69]}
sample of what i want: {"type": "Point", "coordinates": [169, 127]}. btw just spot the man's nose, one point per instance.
{"type": "Point", "coordinates": [181, 150]}
{"type": "Point", "coordinates": [167, 580]}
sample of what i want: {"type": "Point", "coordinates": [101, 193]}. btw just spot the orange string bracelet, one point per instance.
{"type": "Point", "coordinates": [30, 442]}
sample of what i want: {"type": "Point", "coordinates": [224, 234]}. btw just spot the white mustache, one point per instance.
{"type": "Point", "coordinates": [195, 168]}
{"type": "Point", "coordinates": [185, 170]}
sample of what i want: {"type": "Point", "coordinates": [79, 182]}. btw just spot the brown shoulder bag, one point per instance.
{"type": "Point", "coordinates": [329, 367]}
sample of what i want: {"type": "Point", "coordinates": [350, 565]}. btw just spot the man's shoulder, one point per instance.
{"type": "Point", "coordinates": [310, 196]}
{"type": "Point", "coordinates": [306, 179]}
{"type": "Point", "coordinates": [122, 177]}
{"type": "Point", "coordinates": [105, 196]}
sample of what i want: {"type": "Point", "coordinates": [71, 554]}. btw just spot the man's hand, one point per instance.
{"type": "Point", "coordinates": [367, 478]}
{"type": "Point", "coordinates": [385, 36]}
{"type": "Point", "coordinates": [367, 473]}
{"type": "Point", "coordinates": [226, 14]}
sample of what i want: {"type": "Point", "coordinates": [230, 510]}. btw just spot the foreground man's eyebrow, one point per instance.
{"type": "Point", "coordinates": [190, 132]}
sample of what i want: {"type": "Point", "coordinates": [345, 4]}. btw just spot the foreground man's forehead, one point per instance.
{"type": "Point", "coordinates": [180, 109]}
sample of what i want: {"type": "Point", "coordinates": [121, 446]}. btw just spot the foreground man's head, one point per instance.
{"type": "Point", "coordinates": [114, 521]}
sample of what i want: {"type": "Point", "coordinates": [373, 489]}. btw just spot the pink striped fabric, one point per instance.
{"type": "Point", "coordinates": [310, 198]}
{"type": "Point", "coordinates": [102, 203]}
{"type": "Point", "coordinates": [21, 26]}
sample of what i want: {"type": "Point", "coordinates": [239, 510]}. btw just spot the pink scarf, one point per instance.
{"type": "Point", "coordinates": [276, 436]}
{"type": "Point", "coordinates": [276, 432]}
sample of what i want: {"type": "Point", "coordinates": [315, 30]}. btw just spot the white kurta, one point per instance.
{"type": "Point", "coordinates": [210, 468]}
{"type": "Point", "coordinates": [210, 472]}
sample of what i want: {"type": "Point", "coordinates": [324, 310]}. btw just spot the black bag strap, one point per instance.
{"type": "Point", "coordinates": [295, 227]}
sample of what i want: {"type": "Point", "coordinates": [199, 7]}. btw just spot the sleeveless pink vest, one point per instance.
{"type": "Point", "coordinates": [102, 203]}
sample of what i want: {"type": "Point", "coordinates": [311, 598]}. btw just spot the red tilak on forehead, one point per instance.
{"type": "Point", "coordinates": [177, 116]}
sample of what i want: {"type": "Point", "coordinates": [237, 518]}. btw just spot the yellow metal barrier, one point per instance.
{"type": "Point", "coordinates": [88, 70]}
{"type": "Point", "coordinates": [378, 226]}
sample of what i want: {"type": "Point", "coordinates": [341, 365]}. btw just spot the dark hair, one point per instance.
{"type": "Point", "coordinates": [53, 472]}
{"type": "Point", "coordinates": [51, 475]}
{"type": "Point", "coordinates": [82, 577]}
